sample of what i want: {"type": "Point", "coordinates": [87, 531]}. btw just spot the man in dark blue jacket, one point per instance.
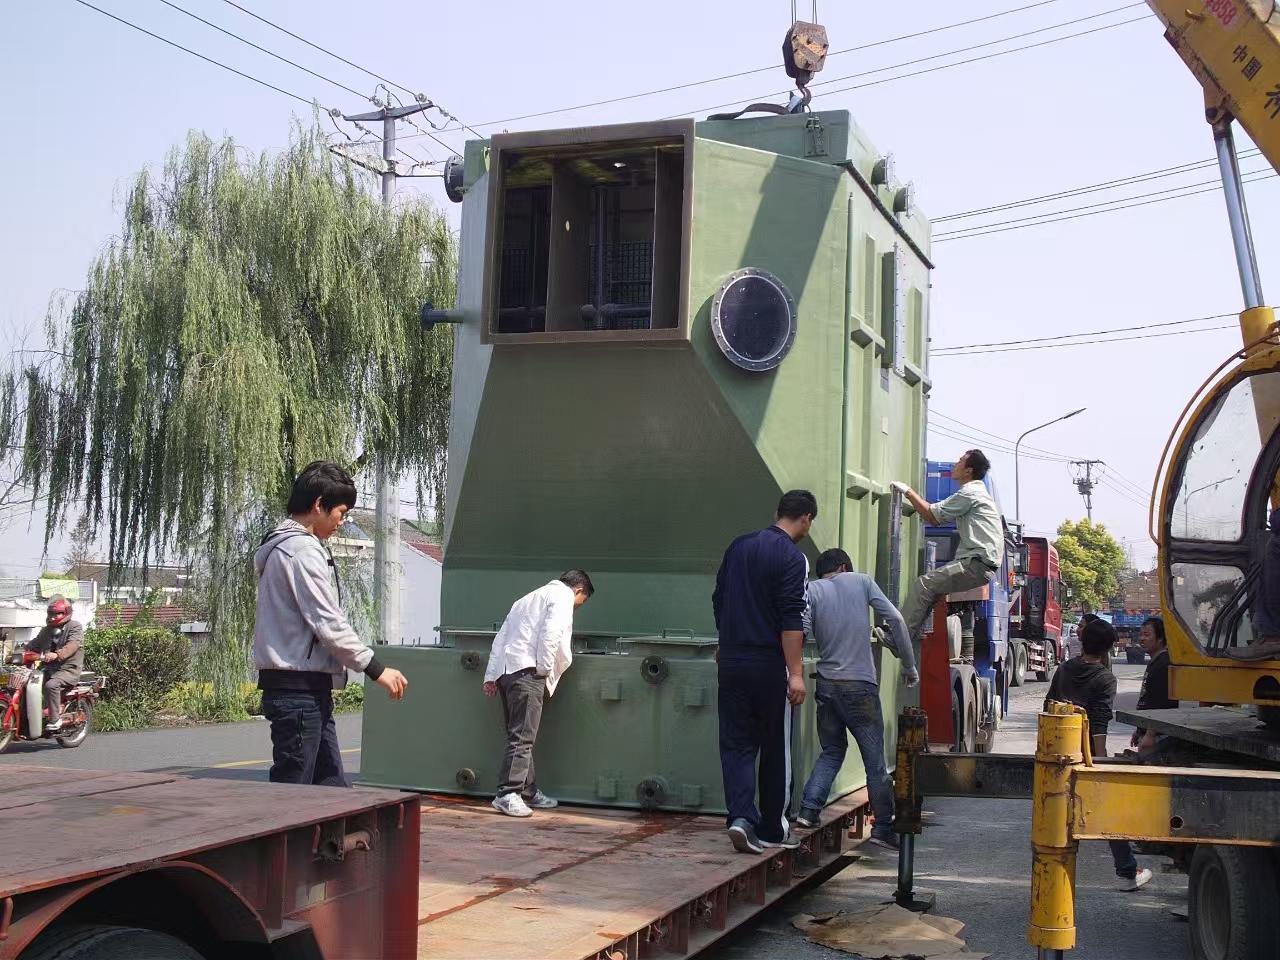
{"type": "Point", "coordinates": [759, 605]}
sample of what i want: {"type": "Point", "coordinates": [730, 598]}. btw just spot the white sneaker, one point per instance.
{"type": "Point", "coordinates": [540, 801]}
{"type": "Point", "coordinates": [512, 804]}
{"type": "Point", "coordinates": [1130, 884]}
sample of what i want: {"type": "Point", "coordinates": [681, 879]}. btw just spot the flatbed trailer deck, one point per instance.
{"type": "Point", "coordinates": [234, 869]}
{"type": "Point", "coordinates": [605, 884]}
{"type": "Point", "coordinates": [1224, 729]}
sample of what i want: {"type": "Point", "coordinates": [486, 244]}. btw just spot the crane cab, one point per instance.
{"type": "Point", "coordinates": [1214, 525]}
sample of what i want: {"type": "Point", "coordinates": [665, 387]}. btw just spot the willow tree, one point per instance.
{"type": "Point", "coordinates": [254, 314]}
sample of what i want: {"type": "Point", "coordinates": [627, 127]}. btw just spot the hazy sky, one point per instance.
{"type": "Point", "coordinates": [92, 101]}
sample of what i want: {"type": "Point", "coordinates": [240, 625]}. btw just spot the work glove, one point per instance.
{"type": "Point", "coordinates": [911, 677]}
{"type": "Point", "coordinates": [898, 486]}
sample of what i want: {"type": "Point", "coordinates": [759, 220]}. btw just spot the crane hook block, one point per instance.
{"type": "Point", "coordinates": [804, 50]}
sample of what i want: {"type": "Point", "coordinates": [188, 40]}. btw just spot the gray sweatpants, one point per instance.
{"type": "Point", "coordinates": [953, 577]}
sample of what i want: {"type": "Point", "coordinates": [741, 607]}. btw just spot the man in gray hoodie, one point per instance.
{"type": "Point", "coordinates": [302, 642]}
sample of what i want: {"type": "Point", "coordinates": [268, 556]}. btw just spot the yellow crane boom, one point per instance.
{"type": "Point", "coordinates": [1233, 48]}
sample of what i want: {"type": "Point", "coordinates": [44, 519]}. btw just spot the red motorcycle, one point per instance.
{"type": "Point", "coordinates": [23, 714]}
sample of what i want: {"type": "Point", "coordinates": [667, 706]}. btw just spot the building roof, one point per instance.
{"type": "Point", "coordinates": [172, 578]}
{"type": "Point", "coordinates": [360, 526]}
{"type": "Point", "coordinates": [123, 615]}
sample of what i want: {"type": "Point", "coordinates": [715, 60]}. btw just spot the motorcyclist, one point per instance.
{"type": "Point", "coordinates": [61, 645]}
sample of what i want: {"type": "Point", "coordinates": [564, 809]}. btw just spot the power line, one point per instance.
{"type": "Point", "coordinates": [377, 76]}
{"type": "Point", "coordinates": [216, 63]}
{"type": "Point", "coordinates": [269, 53]}
{"type": "Point", "coordinates": [934, 351]}
{"type": "Point", "coordinates": [769, 69]}
{"type": "Point", "coordinates": [1005, 440]}
{"type": "Point", "coordinates": [927, 70]}
{"type": "Point", "coordinates": [997, 228]}
{"type": "Point", "coordinates": [1092, 188]}
{"type": "Point", "coordinates": [1082, 343]}
{"type": "Point", "coordinates": [1214, 184]}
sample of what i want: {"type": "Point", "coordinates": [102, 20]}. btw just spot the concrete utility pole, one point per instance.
{"type": "Point", "coordinates": [1086, 483]}
{"type": "Point", "coordinates": [386, 539]}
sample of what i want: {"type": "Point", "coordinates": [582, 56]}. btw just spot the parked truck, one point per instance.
{"type": "Point", "coordinates": [1035, 615]}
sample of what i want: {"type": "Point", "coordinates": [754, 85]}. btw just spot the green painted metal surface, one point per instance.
{"type": "Point", "coordinates": [640, 459]}
{"type": "Point", "coordinates": [611, 735]}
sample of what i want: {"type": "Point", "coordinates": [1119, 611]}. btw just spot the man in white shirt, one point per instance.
{"type": "Point", "coordinates": [530, 654]}
{"type": "Point", "coordinates": [977, 520]}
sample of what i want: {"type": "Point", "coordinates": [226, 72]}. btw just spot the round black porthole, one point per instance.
{"type": "Point", "coordinates": [753, 317]}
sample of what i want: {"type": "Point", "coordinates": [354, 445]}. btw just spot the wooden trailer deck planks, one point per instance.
{"type": "Point", "coordinates": [582, 883]}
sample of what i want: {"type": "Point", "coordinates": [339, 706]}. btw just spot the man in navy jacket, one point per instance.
{"type": "Point", "coordinates": [759, 605]}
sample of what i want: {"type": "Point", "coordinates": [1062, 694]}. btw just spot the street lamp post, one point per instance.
{"type": "Point", "coordinates": [1017, 492]}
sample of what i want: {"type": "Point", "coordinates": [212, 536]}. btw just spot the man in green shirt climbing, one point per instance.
{"type": "Point", "coordinates": [977, 519]}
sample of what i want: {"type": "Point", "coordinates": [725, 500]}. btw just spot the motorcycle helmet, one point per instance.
{"type": "Point", "coordinates": [59, 612]}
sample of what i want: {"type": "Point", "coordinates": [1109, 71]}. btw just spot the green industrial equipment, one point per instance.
{"type": "Point", "coordinates": [664, 326]}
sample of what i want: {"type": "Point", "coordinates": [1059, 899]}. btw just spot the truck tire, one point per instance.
{"type": "Point", "coordinates": [91, 941]}
{"type": "Point", "coordinates": [1019, 665]}
{"type": "Point", "coordinates": [1231, 897]}
{"type": "Point", "coordinates": [1050, 664]}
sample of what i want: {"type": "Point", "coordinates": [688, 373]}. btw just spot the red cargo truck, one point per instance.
{"type": "Point", "coordinates": [1035, 612]}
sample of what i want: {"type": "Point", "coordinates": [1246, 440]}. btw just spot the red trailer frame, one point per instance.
{"type": "Point", "coordinates": [236, 869]}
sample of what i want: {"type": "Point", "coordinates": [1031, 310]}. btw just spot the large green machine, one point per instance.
{"type": "Point", "coordinates": [664, 327]}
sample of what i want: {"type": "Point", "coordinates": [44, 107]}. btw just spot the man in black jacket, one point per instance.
{"type": "Point", "coordinates": [1088, 682]}
{"type": "Point", "coordinates": [759, 605]}
{"type": "Point", "coordinates": [61, 643]}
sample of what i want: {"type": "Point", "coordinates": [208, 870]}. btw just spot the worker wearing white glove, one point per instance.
{"type": "Point", "coordinates": [838, 616]}
{"type": "Point", "coordinates": [981, 549]}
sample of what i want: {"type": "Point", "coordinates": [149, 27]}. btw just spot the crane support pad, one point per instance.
{"type": "Point", "coordinates": [1176, 803]}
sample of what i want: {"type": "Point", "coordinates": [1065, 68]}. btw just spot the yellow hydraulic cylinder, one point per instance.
{"type": "Point", "coordinates": [1060, 746]}
{"type": "Point", "coordinates": [1255, 322]}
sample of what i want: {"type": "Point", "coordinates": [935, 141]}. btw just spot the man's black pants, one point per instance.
{"type": "Point", "coordinates": [755, 721]}
{"type": "Point", "coordinates": [304, 740]}
{"type": "Point", "coordinates": [522, 694]}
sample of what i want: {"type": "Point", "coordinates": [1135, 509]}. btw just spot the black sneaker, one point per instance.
{"type": "Point", "coordinates": [789, 842]}
{"type": "Point", "coordinates": [743, 836]}
{"type": "Point", "coordinates": [885, 838]}
{"type": "Point", "coordinates": [809, 819]}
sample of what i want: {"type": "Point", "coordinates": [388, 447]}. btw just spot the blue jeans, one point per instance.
{"type": "Point", "coordinates": [304, 740]}
{"type": "Point", "coordinates": [1122, 856]}
{"type": "Point", "coordinates": [853, 706]}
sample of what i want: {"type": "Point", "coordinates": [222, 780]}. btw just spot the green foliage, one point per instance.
{"type": "Point", "coordinates": [350, 699]}
{"type": "Point", "coordinates": [252, 315]}
{"type": "Point", "coordinates": [196, 701]}
{"type": "Point", "coordinates": [122, 715]}
{"type": "Point", "coordinates": [141, 664]}
{"type": "Point", "coordinates": [1090, 558]}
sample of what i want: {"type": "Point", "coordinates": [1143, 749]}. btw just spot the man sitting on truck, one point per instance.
{"type": "Point", "coordinates": [61, 643]}
{"type": "Point", "coordinates": [302, 642]}
{"type": "Point", "coordinates": [838, 617]}
{"type": "Point", "coordinates": [977, 558]}
{"type": "Point", "coordinates": [530, 654]}
{"type": "Point", "coordinates": [1088, 682]}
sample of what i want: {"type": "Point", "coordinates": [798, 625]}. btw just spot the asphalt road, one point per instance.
{"type": "Point", "coordinates": [234, 750]}
{"type": "Point", "coordinates": [974, 853]}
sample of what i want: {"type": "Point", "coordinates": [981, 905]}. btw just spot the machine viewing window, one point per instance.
{"type": "Point", "coordinates": [1214, 482]}
{"type": "Point", "coordinates": [588, 237]}
{"type": "Point", "coordinates": [1213, 600]}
